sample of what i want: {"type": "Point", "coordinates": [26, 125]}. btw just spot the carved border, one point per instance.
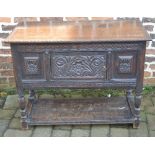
{"type": "Point", "coordinates": [77, 46]}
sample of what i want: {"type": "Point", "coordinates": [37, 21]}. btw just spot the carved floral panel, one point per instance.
{"type": "Point", "coordinates": [31, 65]}
{"type": "Point", "coordinates": [125, 64]}
{"type": "Point", "coordinates": [79, 66]}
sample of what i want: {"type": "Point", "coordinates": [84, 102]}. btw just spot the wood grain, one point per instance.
{"type": "Point", "coordinates": [85, 31]}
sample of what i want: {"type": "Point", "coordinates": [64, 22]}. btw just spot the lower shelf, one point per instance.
{"type": "Point", "coordinates": [81, 111]}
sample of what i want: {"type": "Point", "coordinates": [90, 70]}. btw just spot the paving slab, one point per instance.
{"type": "Point", "coordinates": [3, 126]}
{"type": "Point", "coordinates": [42, 131]}
{"type": "Point", "coordinates": [15, 123]}
{"type": "Point", "coordinates": [150, 110]}
{"type": "Point", "coordinates": [153, 100]}
{"type": "Point", "coordinates": [80, 133]}
{"type": "Point", "coordinates": [63, 127]}
{"type": "Point", "coordinates": [142, 107]}
{"type": "Point", "coordinates": [12, 101]}
{"type": "Point", "coordinates": [142, 131]}
{"type": "Point", "coordinates": [61, 133]}
{"type": "Point", "coordinates": [4, 122]}
{"type": "Point", "coordinates": [17, 133]}
{"type": "Point", "coordinates": [143, 116]}
{"type": "Point", "coordinates": [100, 130]}
{"type": "Point", "coordinates": [1, 102]}
{"type": "Point", "coordinates": [17, 114]}
{"type": "Point", "coordinates": [151, 122]}
{"type": "Point", "coordinates": [2, 129]}
{"type": "Point", "coordinates": [87, 127]}
{"type": "Point", "coordinates": [146, 101]}
{"type": "Point", "coordinates": [152, 133]}
{"type": "Point", "coordinates": [6, 114]}
{"type": "Point", "coordinates": [119, 132]}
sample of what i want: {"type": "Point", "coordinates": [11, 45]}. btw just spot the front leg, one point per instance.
{"type": "Point", "coordinates": [32, 97]}
{"type": "Point", "coordinates": [23, 110]}
{"type": "Point", "coordinates": [138, 98]}
{"type": "Point", "coordinates": [139, 84]}
{"type": "Point", "coordinates": [134, 103]}
{"type": "Point", "coordinates": [129, 93]}
{"type": "Point", "coordinates": [31, 101]}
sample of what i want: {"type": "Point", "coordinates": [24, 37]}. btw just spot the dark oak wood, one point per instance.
{"type": "Point", "coordinates": [81, 111]}
{"type": "Point", "coordinates": [79, 55]}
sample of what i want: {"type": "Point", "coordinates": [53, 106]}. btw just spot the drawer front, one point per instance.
{"type": "Point", "coordinates": [78, 65]}
{"type": "Point", "coordinates": [124, 65]}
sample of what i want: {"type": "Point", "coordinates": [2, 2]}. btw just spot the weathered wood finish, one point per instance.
{"type": "Point", "coordinates": [73, 63]}
{"type": "Point", "coordinates": [81, 111]}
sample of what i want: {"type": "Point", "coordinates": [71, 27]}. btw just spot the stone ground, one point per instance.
{"type": "Point", "coordinates": [10, 124]}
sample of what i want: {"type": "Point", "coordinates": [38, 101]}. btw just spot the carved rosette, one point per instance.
{"type": "Point", "coordinates": [81, 67]}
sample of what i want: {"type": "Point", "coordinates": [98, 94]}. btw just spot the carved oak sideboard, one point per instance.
{"type": "Point", "coordinates": [88, 54]}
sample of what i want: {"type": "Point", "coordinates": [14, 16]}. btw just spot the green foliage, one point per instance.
{"type": "Point", "coordinates": [7, 91]}
{"type": "Point", "coordinates": [148, 90]}
{"type": "Point", "coordinates": [68, 93]}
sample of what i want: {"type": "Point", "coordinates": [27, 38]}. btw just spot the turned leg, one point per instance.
{"type": "Point", "coordinates": [130, 101]}
{"type": "Point", "coordinates": [139, 84]}
{"type": "Point", "coordinates": [138, 98]}
{"type": "Point", "coordinates": [31, 101]}
{"type": "Point", "coordinates": [134, 104]}
{"type": "Point", "coordinates": [129, 93]}
{"type": "Point", "coordinates": [130, 98]}
{"type": "Point", "coordinates": [32, 97]}
{"type": "Point", "coordinates": [23, 110]}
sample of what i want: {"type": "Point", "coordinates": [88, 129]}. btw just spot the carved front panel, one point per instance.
{"type": "Point", "coordinates": [88, 65]}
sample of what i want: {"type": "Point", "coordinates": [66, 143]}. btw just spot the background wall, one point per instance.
{"type": "Point", "coordinates": [7, 24]}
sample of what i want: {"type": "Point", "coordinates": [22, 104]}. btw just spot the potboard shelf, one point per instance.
{"type": "Point", "coordinates": [81, 111]}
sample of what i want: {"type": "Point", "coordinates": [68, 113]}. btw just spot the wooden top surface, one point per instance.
{"type": "Point", "coordinates": [83, 31]}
